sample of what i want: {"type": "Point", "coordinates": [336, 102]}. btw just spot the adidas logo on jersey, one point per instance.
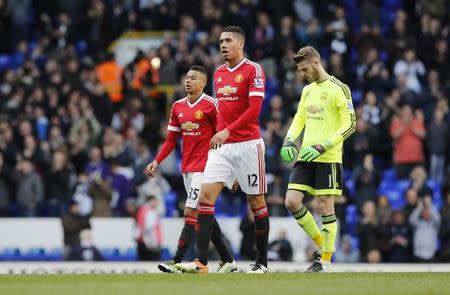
{"type": "Point", "coordinates": [180, 115]}
{"type": "Point", "coordinates": [219, 80]}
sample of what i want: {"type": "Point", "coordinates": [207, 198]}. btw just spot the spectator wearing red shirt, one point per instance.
{"type": "Point", "coordinates": [407, 132]}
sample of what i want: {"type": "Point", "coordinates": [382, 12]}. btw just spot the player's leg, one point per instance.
{"type": "Point", "coordinates": [302, 180]}
{"type": "Point", "coordinates": [329, 183]}
{"type": "Point", "coordinates": [192, 183]}
{"type": "Point", "coordinates": [217, 172]}
{"type": "Point", "coordinates": [258, 206]}
{"type": "Point", "coordinates": [304, 218]}
{"type": "Point", "coordinates": [329, 228]}
{"type": "Point", "coordinates": [249, 169]}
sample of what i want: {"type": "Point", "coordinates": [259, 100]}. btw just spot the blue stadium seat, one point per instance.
{"type": "Point", "coordinates": [437, 194]}
{"type": "Point", "coordinates": [110, 254]}
{"type": "Point", "coordinates": [35, 254]}
{"type": "Point", "coordinates": [351, 217]}
{"type": "Point", "coordinates": [10, 254]}
{"type": "Point", "coordinates": [55, 254]}
{"type": "Point", "coordinates": [170, 200]}
{"type": "Point", "coordinates": [165, 254]}
{"type": "Point", "coordinates": [389, 174]}
{"type": "Point", "coordinates": [130, 254]}
{"type": "Point", "coordinates": [350, 185]}
{"type": "Point", "coordinates": [5, 62]}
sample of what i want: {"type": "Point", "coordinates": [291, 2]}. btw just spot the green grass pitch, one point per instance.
{"type": "Point", "coordinates": [232, 284]}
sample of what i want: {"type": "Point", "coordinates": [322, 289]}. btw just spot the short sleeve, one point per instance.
{"type": "Point", "coordinates": [257, 81]}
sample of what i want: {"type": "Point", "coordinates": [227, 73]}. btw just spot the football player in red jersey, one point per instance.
{"type": "Point", "coordinates": [237, 149]}
{"type": "Point", "coordinates": [194, 117]}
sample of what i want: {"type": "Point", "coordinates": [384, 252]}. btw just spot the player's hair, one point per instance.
{"type": "Point", "coordinates": [235, 30]}
{"type": "Point", "coordinates": [306, 53]}
{"type": "Point", "coordinates": [199, 69]}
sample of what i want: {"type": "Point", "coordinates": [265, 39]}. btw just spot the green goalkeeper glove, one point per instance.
{"type": "Point", "coordinates": [310, 153]}
{"type": "Point", "coordinates": [289, 151]}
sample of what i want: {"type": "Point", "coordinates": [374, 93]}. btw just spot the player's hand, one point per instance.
{"type": "Point", "coordinates": [218, 139]}
{"type": "Point", "coordinates": [235, 186]}
{"type": "Point", "coordinates": [310, 153]}
{"type": "Point", "coordinates": [151, 168]}
{"type": "Point", "coordinates": [289, 151]}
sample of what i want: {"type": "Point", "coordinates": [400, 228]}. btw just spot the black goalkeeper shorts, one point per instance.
{"type": "Point", "coordinates": [317, 179]}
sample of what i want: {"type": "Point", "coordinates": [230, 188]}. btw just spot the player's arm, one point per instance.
{"type": "Point", "coordinates": [169, 144]}
{"type": "Point", "coordinates": [256, 93]}
{"type": "Point", "coordinates": [348, 127]}
{"type": "Point", "coordinates": [289, 150]}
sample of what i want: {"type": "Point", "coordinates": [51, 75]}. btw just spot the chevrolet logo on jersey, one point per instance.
{"type": "Point", "coordinates": [227, 90]}
{"type": "Point", "coordinates": [314, 109]}
{"type": "Point", "coordinates": [189, 126]}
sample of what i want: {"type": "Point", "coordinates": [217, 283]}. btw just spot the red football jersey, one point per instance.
{"type": "Point", "coordinates": [197, 124]}
{"type": "Point", "coordinates": [233, 88]}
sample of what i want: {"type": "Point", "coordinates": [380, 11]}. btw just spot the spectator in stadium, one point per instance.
{"type": "Point", "coordinates": [280, 249]}
{"type": "Point", "coordinates": [73, 223]}
{"type": "Point", "coordinates": [97, 167]}
{"type": "Point", "coordinates": [371, 110]}
{"type": "Point", "coordinates": [346, 252]}
{"type": "Point", "coordinates": [399, 238]}
{"type": "Point", "coordinates": [370, 231]}
{"type": "Point", "coordinates": [407, 132]}
{"type": "Point", "coordinates": [59, 183]}
{"type": "Point", "coordinates": [121, 186]}
{"type": "Point", "coordinates": [419, 179]}
{"type": "Point", "coordinates": [148, 229]}
{"type": "Point", "coordinates": [437, 141]}
{"type": "Point", "coordinates": [444, 231]}
{"type": "Point", "coordinates": [412, 199]}
{"type": "Point", "coordinates": [425, 221]}
{"type": "Point", "coordinates": [85, 250]}
{"type": "Point", "coordinates": [367, 179]}
{"type": "Point", "coordinates": [412, 68]}
{"type": "Point", "coordinates": [5, 187]}
{"type": "Point", "coordinates": [81, 195]}
{"type": "Point", "coordinates": [101, 193]}
{"type": "Point", "coordinates": [29, 193]}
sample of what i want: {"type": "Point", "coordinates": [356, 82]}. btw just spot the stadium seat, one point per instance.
{"type": "Point", "coordinates": [10, 254]}
{"type": "Point", "coordinates": [5, 62]}
{"type": "Point", "coordinates": [55, 254]}
{"type": "Point", "coordinates": [170, 200]}
{"type": "Point", "coordinates": [35, 254]}
{"type": "Point", "coordinates": [165, 254]}
{"type": "Point", "coordinates": [350, 185]}
{"type": "Point", "coordinates": [437, 194]}
{"type": "Point", "coordinates": [351, 217]}
{"type": "Point", "coordinates": [389, 174]}
{"type": "Point", "coordinates": [110, 254]}
{"type": "Point", "coordinates": [130, 254]}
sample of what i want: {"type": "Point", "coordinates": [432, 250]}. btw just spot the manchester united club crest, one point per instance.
{"type": "Point", "coordinates": [198, 115]}
{"type": "Point", "coordinates": [323, 95]}
{"type": "Point", "coordinates": [238, 78]}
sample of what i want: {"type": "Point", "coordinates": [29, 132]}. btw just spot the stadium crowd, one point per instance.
{"type": "Point", "coordinates": [70, 131]}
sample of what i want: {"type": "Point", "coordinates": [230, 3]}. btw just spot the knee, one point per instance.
{"type": "Point", "coordinates": [256, 201]}
{"type": "Point", "coordinates": [326, 205]}
{"type": "Point", "coordinates": [293, 202]}
{"type": "Point", "coordinates": [190, 212]}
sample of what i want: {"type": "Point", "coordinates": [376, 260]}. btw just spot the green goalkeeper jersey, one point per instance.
{"type": "Point", "coordinates": [327, 114]}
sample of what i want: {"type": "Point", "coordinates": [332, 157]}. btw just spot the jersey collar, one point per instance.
{"type": "Point", "coordinates": [191, 105]}
{"type": "Point", "coordinates": [236, 66]}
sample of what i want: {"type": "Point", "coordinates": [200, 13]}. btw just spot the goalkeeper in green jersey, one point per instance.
{"type": "Point", "coordinates": [326, 114]}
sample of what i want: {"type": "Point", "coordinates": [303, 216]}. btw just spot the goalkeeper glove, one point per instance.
{"type": "Point", "coordinates": [289, 151]}
{"type": "Point", "coordinates": [310, 153]}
